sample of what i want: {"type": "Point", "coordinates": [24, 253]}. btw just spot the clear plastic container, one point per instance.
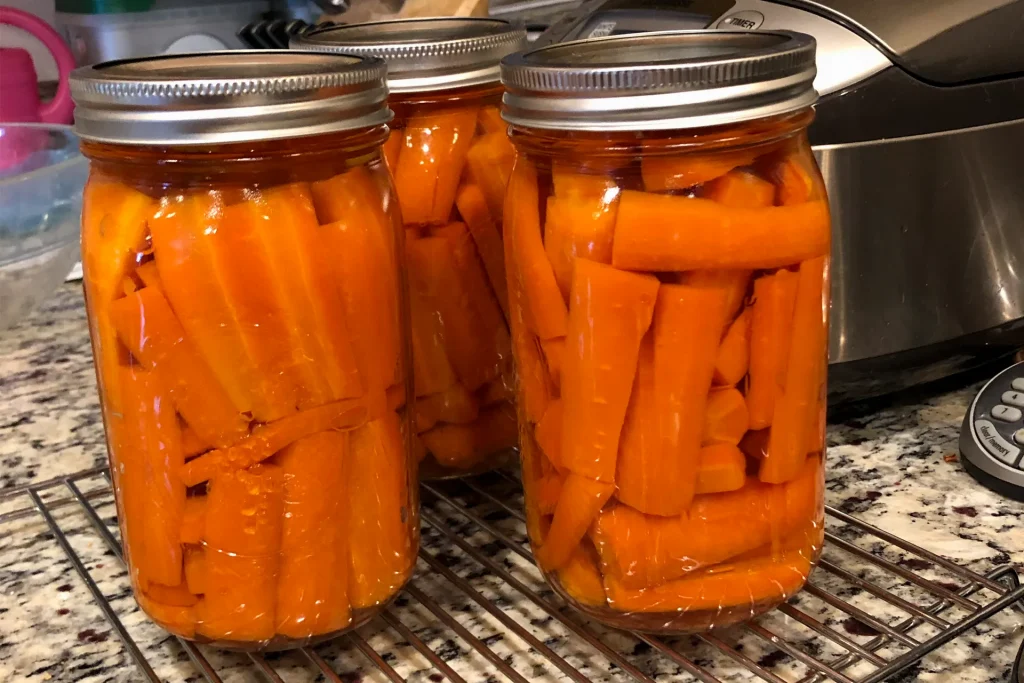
{"type": "Point", "coordinates": [450, 157]}
{"type": "Point", "coordinates": [248, 327]}
{"type": "Point", "coordinates": [674, 247]}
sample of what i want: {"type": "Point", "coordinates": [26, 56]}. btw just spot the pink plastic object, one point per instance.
{"type": "Point", "coordinates": [19, 94]}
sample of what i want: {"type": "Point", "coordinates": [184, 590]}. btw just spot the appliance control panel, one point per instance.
{"type": "Point", "coordinates": [992, 434]}
{"type": "Point", "coordinates": [844, 58]}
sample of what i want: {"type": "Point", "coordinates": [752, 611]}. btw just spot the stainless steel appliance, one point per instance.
{"type": "Point", "coordinates": [920, 137]}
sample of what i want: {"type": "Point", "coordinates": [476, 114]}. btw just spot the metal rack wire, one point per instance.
{"type": "Point", "coordinates": [478, 609]}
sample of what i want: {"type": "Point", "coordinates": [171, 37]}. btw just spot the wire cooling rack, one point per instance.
{"type": "Point", "coordinates": [478, 610]}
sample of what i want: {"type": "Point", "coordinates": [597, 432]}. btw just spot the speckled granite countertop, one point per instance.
{"type": "Point", "coordinates": [893, 468]}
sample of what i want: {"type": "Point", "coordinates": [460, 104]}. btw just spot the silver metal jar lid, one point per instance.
{"type": "Point", "coordinates": [230, 96]}
{"type": "Point", "coordinates": [425, 54]}
{"type": "Point", "coordinates": [659, 81]}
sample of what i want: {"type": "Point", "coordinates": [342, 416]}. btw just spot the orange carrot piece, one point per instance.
{"type": "Point", "coordinates": [725, 417]}
{"type": "Point", "coordinates": [572, 182]}
{"type": "Point", "coordinates": [794, 181]}
{"type": "Point", "coordinates": [454, 154]}
{"type": "Point", "coordinates": [644, 550]}
{"type": "Point", "coordinates": [432, 372]}
{"type": "Point", "coordinates": [147, 326]}
{"type": "Point", "coordinates": [666, 232]}
{"type": "Point", "coordinates": [489, 163]}
{"type": "Point", "coordinates": [679, 172]}
{"type": "Point", "coordinates": [545, 311]}
{"type": "Point", "coordinates": [193, 520]}
{"type": "Point", "coordinates": [659, 456]}
{"type": "Point", "coordinates": [267, 439]}
{"type": "Point", "coordinates": [243, 544]}
{"type": "Point", "coordinates": [498, 390]}
{"type": "Point", "coordinates": [535, 468]}
{"type": "Point", "coordinates": [381, 526]}
{"type": "Point", "coordinates": [741, 584]}
{"type": "Point", "coordinates": [740, 188]}
{"type": "Point", "coordinates": [392, 147]}
{"type": "Point", "coordinates": [149, 274]}
{"type": "Point", "coordinates": [610, 312]}
{"type": "Point", "coordinates": [734, 354]}
{"type": "Point", "coordinates": [174, 618]}
{"type": "Point", "coordinates": [487, 237]}
{"type": "Point", "coordinates": [578, 226]}
{"type": "Point", "coordinates": [797, 407]}
{"type": "Point", "coordinates": [580, 577]}
{"type": "Point", "coordinates": [554, 357]}
{"type": "Point", "coordinates": [581, 500]}
{"type": "Point", "coordinates": [195, 569]}
{"type": "Point", "coordinates": [177, 595]}
{"type": "Point", "coordinates": [461, 446]}
{"type": "Point", "coordinates": [490, 120]}
{"type": "Point", "coordinates": [549, 491]}
{"type": "Point", "coordinates": [310, 600]}
{"type": "Point", "coordinates": [191, 444]}
{"type": "Point", "coordinates": [736, 282]}
{"type": "Point", "coordinates": [549, 433]}
{"type": "Point", "coordinates": [722, 468]}
{"type": "Point", "coordinates": [771, 323]}
{"type": "Point", "coordinates": [455, 405]}
{"type": "Point", "coordinates": [181, 229]}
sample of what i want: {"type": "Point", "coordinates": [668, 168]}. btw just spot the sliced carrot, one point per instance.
{"type": "Point", "coordinates": [581, 500]}
{"type": "Point", "coordinates": [678, 172]}
{"type": "Point", "coordinates": [549, 433]}
{"type": "Point", "coordinates": [722, 468]}
{"type": "Point", "coordinates": [554, 356]}
{"type": "Point", "coordinates": [545, 311]}
{"type": "Point", "coordinates": [310, 600]}
{"type": "Point", "coordinates": [177, 595]}
{"type": "Point", "coordinates": [487, 237]}
{"type": "Point", "coordinates": [578, 226]}
{"type": "Point", "coordinates": [455, 405]}
{"type": "Point", "coordinates": [267, 439]}
{"type": "Point", "coordinates": [381, 535]}
{"type": "Point", "coordinates": [149, 273]}
{"type": "Point", "coordinates": [795, 181]}
{"type": "Point", "coordinates": [771, 323]}
{"type": "Point", "coordinates": [454, 152]}
{"type": "Point", "coordinates": [610, 311]}
{"type": "Point", "coordinates": [580, 577]}
{"type": "Point", "coordinates": [549, 491]}
{"type": "Point", "coordinates": [734, 353]}
{"type": "Point", "coordinates": [432, 372]}
{"type": "Point", "coordinates": [736, 282]}
{"type": "Point", "coordinates": [659, 456]}
{"type": "Point", "coordinates": [572, 182]}
{"type": "Point", "coordinates": [195, 569]}
{"type": "Point", "coordinates": [392, 147]}
{"type": "Point", "coordinates": [798, 406]}
{"type": "Point", "coordinates": [193, 520]}
{"type": "Point", "coordinates": [725, 417]}
{"type": "Point", "coordinates": [176, 619]}
{"type": "Point", "coordinates": [489, 163]}
{"type": "Point", "coordinates": [666, 232]}
{"type": "Point", "coordinates": [461, 446]}
{"type": "Point", "coordinates": [742, 584]}
{"type": "Point", "coordinates": [534, 469]}
{"type": "Point", "coordinates": [190, 441]}
{"type": "Point", "coordinates": [243, 543]}
{"type": "Point", "coordinates": [498, 390]}
{"type": "Point", "coordinates": [740, 188]}
{"type": "Point", "coordinates": [490, 120]}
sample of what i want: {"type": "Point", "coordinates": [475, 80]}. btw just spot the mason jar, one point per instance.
{"type": "Point", "coordinates": [240, 250]}
{"type": "Point", "coordinates": [666, 224]}
{"type": "Point", "coordinates": [450, 158]}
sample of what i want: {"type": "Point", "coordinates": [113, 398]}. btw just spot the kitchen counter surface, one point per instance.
{"type": "Point", "coordinates": [895, 468]}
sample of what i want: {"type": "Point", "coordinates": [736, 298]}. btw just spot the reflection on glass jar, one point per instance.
{"type": "Point", "coordinates": [248, 329]}
{"type": "Point", "coordinates": [450, 157]}
{"type": "Point", "coordinates": [677, 260]}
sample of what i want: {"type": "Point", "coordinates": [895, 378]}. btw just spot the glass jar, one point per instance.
{"type": "Point", "coordinates": [450, 158]}
{"type": "Point", "coordinates": [667, 226]}
{"type": "Point", "coordinates": [238, 245]}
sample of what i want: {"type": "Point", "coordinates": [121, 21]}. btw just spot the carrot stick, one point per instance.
{"type": "Point", "coordinates": [797, 407]}
{"type": "Point", "coordinates": [795, 182]}
{"type": "Point", "coordinates": [176, 619]}
{"type": "Point", "coordinates": [487, 237]}
{"type": "Point", "coordinates": [745, 583]}
{"type": "Point", "coordinates": [666, 232]}
{"type": "Point", "coordinates": [191, 444]}
{"type": "Point", "coordinates": [736, 282]}
{"type": "Point", "coordinates": [545, 310]}
{"type": "Point", "coordinates": [114, 220]}
{"type": "Point", "coordinates": [489, 162]}
{"type": "Point", "coordinates": [722, 468]}
{"type": "Point", "coordinates": [243, 543]}
{"type": "Point", "coordinates": [149, 274]}
{"type": "Point", "coordinates": [571, 182]}
{"type": "Point", "coordinates": [549, 491]}
{"type": "Point", "coordinates": [610, 311]}
{"type": "Point", "coordinates": [461, 446]}
{"type": "Point", "coordinates": [725, 417]}
{"type": "Point", "coordinates": [771, 322]}
{"type": "Point", "coordinates": [455, 405]}
{"type": "Point", "coordinates": [490, 120]}
{"type": "Point", "coordinates": [535, 468]}
{"type": "Point", "coordinates": [177, 595]}
{"type": "Point", "coordinates": [733, 357]}
{"type": "Point", "coordinates": [193, 520]}
{"type": "Point", "coordinates": [454, 153]}
{"type": "Point", "coordinates": [660, 453]}
{"type": "Point", "coordinates": [432, 372]}
{"type": "Point", "coordinates": [267, 439]}
{"type": "Point", "coordinates": [549, 433]}
{"type": "Point", "coordinates": [581, 500]}
{"type": "Point", "coordinates": [195, 569]}
{"type": "Point", "coordinates": [381, 535]}
{"type": "Point", "coordinates": [181, 230]}
{"type": "Point", "coordinates": [644, 550]}
{"type": "Point", "coordinates": [392, 147]}
{"type": "Point", "coordinates": [577, 226]}
{"type": "Point", "coordinates": [679, 172]}
{"type": "Point", "coordinates": [554, 357]}
{"type": "Point", "coordinates": [310, 600]}
{"type": "Point", "coordinates": [580, 577]}
{"type": "Point", "coordinates": [742, 189]}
